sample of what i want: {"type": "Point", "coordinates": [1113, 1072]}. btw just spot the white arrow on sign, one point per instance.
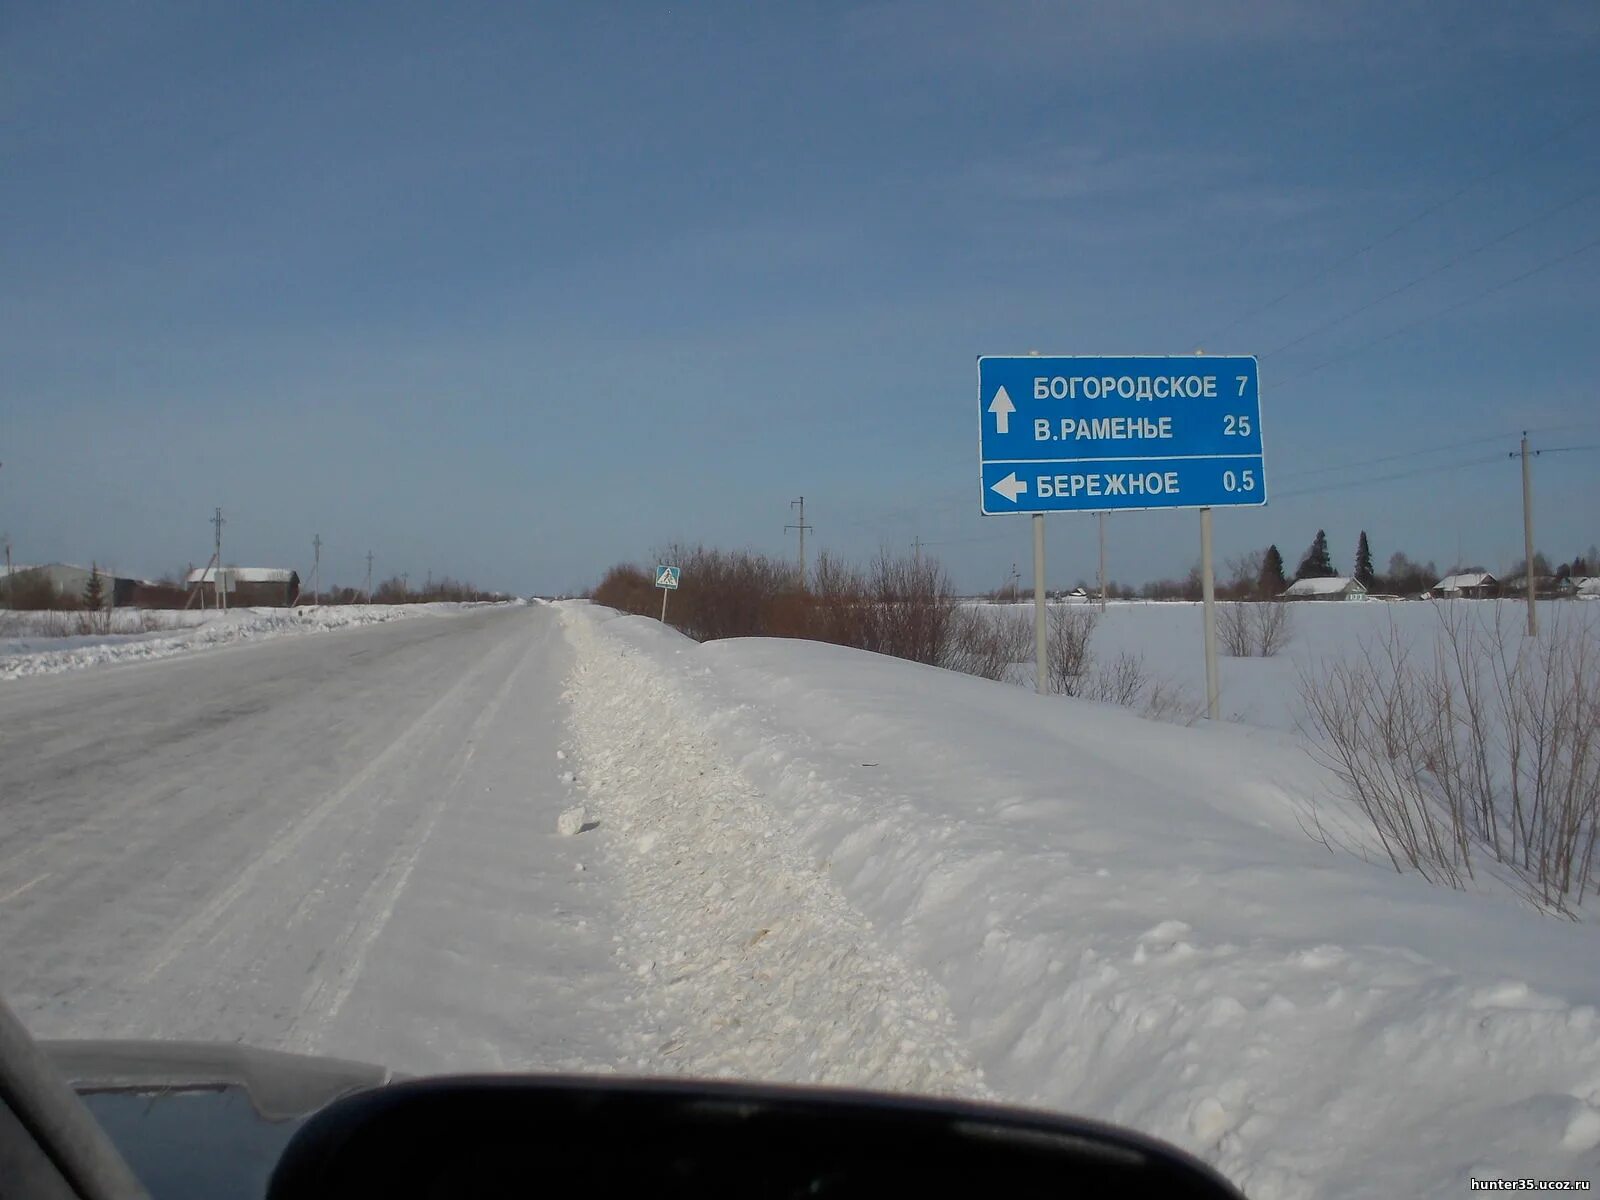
{"type": "Point", "coordinates": [1010, 487]}
{"type": "Point", "coordinates": [1002, 408]}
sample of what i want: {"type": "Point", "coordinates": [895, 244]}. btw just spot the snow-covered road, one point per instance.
{"type": "Point", "coordinates": [800, 862]}
{"type": "Point", "coordinates": [342, 844]}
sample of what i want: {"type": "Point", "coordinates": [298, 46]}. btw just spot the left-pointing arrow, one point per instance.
{"type": "Point", "coordinates": [1010, 487]}
{"type": "Point", "coordinates": [1002, 408]}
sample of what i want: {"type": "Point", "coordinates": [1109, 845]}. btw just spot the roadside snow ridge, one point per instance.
{"type": "Point", "coordinates": [751, 963]}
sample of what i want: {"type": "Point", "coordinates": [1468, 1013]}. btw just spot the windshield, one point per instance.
{"type": "Point", "coordinates": [497, 576]}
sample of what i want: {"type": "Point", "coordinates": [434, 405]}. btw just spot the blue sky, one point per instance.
{"type": "Point", "coordinates": [514, 292]}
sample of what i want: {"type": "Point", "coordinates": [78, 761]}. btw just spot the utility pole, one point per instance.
{"type": "Point", "coordinates": [1527, 535]}
{"type": "Point", "coordinates": [801, 527]}
{"type": "Point", "coordinates": [316, 569]}
{"type": "Point", "coordinates": [216, 575]}
{"type": "Point", "coordinates": [916, 548]}
{"type": "Point", "coordinates": [1102, 562]}
{"type": "Point", "coordinates": [369, 576]}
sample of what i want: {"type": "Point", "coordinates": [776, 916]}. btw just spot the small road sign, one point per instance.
{"type": "Point", "coordinates": [667, 577]}
{"type": "Point", "coordinates": [1098, 434]}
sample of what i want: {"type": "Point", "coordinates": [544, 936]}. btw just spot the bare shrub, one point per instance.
{"type": "Point", "coordinates": [1373, 713]}
{"type": "Point", "coordinates": [1244, 576]}
{"type": "Point", "coordinates": [1123, 682]}
{"type": "Point", "coordinates": [1234, 630]}
{"type": "Point", "coordinates": [627, 588]}
{"type": "Point", "coordinates": [1071, 628]}
{"type": "Point", "coordinates": [986, 642]}
{"type": "Point", "coordinates": [1169, 703]}
{"type": "Point", "coordinates": [1256, 629]}
{"type": "Point", "coordinates": [94, 622]}
{"type": "Point", "coordinates": [914, 606]}
{"type": "Point", "coordinates": [1488, 744]}
{"type": "Point", "coordinates": [1272, 627]}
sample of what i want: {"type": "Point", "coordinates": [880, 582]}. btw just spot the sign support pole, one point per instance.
{"type": "Point", "coordinates": [1102, 562]}
{"type": "Point", "coordinates": [1041, 646]}
{"type": "Point", "coordinates": [665, 592]}
{"type": "Point", "coordinates": [1209, 591]}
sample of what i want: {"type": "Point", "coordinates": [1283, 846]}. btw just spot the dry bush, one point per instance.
{"type": "Point", "coordinates": [94, 622]}
{"type": "Point", "coordinates": [1235, 630]}
{"type": "Point", "coordinates": [1243, 576]}
{"type": "Point", "coordinates": [914, 607]}
{"type": "Point", "coordinates": [1488, 744]}
{"type": "Point", "coordinates": [1257, 629]}
{"type": "Point", "coordinates": [629, 589]}
{"type": "Point", "coordinates": [1122, 683]}
{"type": "Point", "coordinates": [986, 642]}
{"type": "Point", "coordinates": [1071, 628]}
{"type": "Point", "coordinates": [724, 594]}
{"type": "Point", "coordinates": [1169, 703]}
{"type": "Point", "coordinates": [1272, 627]}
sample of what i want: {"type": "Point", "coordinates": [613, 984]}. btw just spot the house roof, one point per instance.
{"type": "Point", "coordinates": [243, 574]}
{"type": "Point", "coordinates": [1451, 583]}
{"type": "Point", "coordinates": [1330, 586]}
{"type": "Point", "coordinates": [23, 569]}
{"type": "Point", "coordinates": [1587, 585]}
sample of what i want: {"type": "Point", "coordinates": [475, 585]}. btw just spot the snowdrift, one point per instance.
{"type": "Point", "coordinates": [1122, 919]}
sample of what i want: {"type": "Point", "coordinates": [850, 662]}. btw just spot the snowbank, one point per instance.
{"type": "Point", "coordinates": [23, 651]}
{"type": "Point", "coordinates": [1118, 918]}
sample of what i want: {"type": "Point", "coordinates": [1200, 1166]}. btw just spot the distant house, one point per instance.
{"type": "Point", "coordinates": [1334, 587]}
{"type": "Point", "coordinates": [1467, 587]}
{"type": "Point", "coordinates": [1543, 585]}
{"type": "Point", "coordinates": [1586, 587]}
{"type": "Point", "coordinates": [64, 582]}
{"type": "Point", "coordinates": [247, 587]}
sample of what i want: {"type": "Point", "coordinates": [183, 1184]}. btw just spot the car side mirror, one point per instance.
{"type": "Point", "coordinates": [604, 1138]}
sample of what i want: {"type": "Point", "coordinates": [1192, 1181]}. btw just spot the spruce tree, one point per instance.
{"type": "Point", "coordinates": [1317, 563]}
{"type": "Point", "coordinates": [94, 595]}
{"type": "Point", "coordinates": [1364, 573]}
{"type": "Point", "coordinates": [1272, 580]}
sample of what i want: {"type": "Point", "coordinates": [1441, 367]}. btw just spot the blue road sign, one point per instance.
{"type": "Point", "coordinates": [1091, 434]}
{"type": "Point", "coordinates": [667, 577]}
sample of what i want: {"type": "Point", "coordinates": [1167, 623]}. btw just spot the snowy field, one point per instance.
{"type": "Point", "coordinates": [31, 643]}
{"type": "Point", "coordinates": [1266, 692]}
{"type": "Point", "coordinates": [837, 866]}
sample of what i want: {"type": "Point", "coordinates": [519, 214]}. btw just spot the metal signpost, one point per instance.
{"type": "Point", "coordinates": [1117, 434]}
{"type": "Point", "coordinates": [667, 581]}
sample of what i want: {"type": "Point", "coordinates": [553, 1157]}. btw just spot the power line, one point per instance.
{"type": "Point", "coordinates": [1427, 275]}
{"type": "Point", "coordinates": [1388, 458]}
{"type": "Point", "coordinates": [1350, 483]}
{"type": "Point", "coordinates": [1403, 226]}
{"type": "Point", "coordinates": [1394, 333]}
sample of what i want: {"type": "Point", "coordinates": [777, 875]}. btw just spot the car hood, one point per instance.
{"type": "Point", "coordinates": [281, 1087]}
